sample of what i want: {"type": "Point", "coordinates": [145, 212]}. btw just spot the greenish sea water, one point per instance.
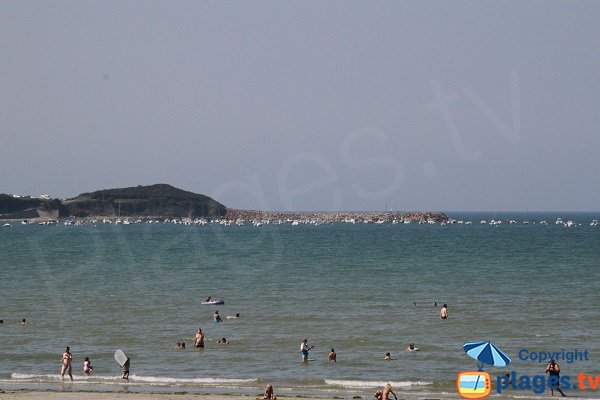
{"type": "Point", "coordinates": [100, 287]}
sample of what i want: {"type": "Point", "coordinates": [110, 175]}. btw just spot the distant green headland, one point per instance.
{"type": "Point", "coordinates": [166, 201]}
{"type": "Point", "coordinates": [158, 200]}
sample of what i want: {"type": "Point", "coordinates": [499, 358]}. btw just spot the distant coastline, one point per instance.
{"type": "Point", "coordinates": [161, 201]}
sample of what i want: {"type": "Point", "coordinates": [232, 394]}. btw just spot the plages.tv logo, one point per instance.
{"type": "Point", "coordinates": [477, 384]}
{"type": "Point", "coordinates": [473, 384]}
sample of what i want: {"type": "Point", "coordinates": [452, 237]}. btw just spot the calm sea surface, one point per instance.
{"type": "Point", "coordinates": [97, 288]}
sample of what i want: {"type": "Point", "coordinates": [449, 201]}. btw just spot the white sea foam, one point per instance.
{"type": "Point", "coordinates": [35, 377]}
{"type": "Point", "coordinates": [188, 381]}
{"type": "Point", "coordinates": [150, 380]}
{"type": "Point", "coordinates": [373, 384]}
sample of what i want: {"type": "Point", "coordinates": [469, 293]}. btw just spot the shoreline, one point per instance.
{"type": "Point", "coordinates": [66, 394]}
{"type": "Point", "coordinates": [27, 394]}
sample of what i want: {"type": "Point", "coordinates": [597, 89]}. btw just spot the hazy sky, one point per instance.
{"type": "Point", "coordinates": [329, 105]}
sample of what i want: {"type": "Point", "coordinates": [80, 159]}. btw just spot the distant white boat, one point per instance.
{"type": "Point", "coordinates": [6, 225]}
{"type": "Point", "coordinates": [594, 222]}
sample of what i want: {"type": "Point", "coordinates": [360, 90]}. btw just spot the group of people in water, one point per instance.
{"type": "Point", "coordinates": [67, 358]}
{"type": "Point", "coordinates": [67, 366]}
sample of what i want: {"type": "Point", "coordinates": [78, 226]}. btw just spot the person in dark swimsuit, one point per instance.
{"type": "Point", "coordinates": [554, 370]}
{"type": "Point", "coordinates": [126, 369]}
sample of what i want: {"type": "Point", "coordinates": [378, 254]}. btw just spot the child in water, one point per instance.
{"type": "Point", "coordinates": [87, 368]}
{"type": "Point", "coordinates": [269, 395]}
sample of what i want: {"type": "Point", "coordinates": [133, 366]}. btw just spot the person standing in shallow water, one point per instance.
{"type": "Point", "coordinates": [126, 369]}
{"type": "Point", "coordinates": [66, 361]}
{"type": "Point", "coordinates": [444, 312]}
{"type": "Point", "coordinates": [304, 348]}
{"type": "Point", "coordinates": [199, 339]}
{"type": "Point", "coordinates": [554, 370]}
{"type": "Point", "coordinates": [332, 356]}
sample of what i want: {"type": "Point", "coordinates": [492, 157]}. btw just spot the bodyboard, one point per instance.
{"type": "Point", "coordinates": [120, 357]}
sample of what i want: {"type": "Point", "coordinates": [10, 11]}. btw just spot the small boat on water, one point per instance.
{"type": "Point", "coordinates": [213, 302]}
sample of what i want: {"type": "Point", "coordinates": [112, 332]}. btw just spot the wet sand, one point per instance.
{"type": "Point", "coordinates": [35, 395]}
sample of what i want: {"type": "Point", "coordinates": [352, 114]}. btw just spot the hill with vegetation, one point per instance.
{"type": "Point", "coordinates": [158, 200]}
{"type": "Point", "coordinates": [12, 207]}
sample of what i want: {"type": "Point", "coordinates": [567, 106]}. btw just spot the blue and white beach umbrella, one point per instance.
{"type": "Point", "coordinates": [486, 353]}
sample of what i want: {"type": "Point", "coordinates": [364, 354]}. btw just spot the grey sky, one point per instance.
{"type": "Point", "coordinates": [302, 105]}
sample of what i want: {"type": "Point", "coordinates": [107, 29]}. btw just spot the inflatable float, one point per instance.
{"type": "Point", "coordinates": [213, 302]}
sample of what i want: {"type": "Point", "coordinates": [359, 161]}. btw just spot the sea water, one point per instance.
{"type": "Point", "coordinates": [363, 289]}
